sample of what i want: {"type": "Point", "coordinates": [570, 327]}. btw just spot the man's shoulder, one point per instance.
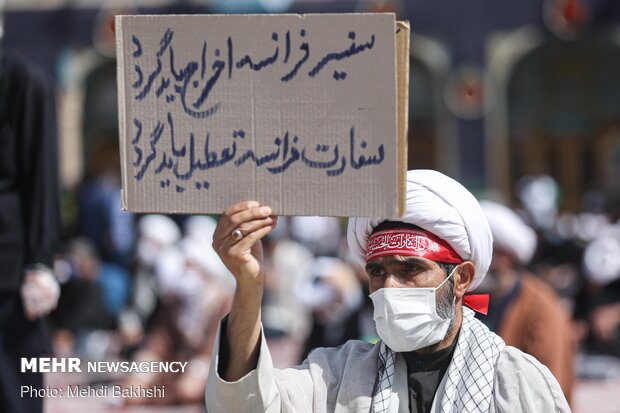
{"type": "Point", "coordinates": [514, 361]}
{"type": "Point", "coordinates": [353, 347]}
{"type": "Point", "coordinates": [520, 378]}
{"type": "Point", "coordinates": [514, 366]}
{"type": "Point", "coordinates": [355, 361]}
{"type": "Point", "coordinates": [546, 300]}
{"type": "Point", "coordinates": [352, 351]}
{"type": "Point", "coordinates": [513, 356]}
{"type": "Point", "coordinates": [538, 289]}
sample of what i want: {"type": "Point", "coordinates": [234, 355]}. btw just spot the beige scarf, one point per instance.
{"type": "Point", "coordinates": [470, 375]}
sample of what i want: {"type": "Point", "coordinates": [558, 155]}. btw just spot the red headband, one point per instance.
{"type": "Point", "coordinates": [410, 242]}
{"type": "Point", "coordinates": [420, 243]}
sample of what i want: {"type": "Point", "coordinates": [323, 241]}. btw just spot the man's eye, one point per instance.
{"type": "Point", "coordinates": [410, 268]}
{"type": "Point", "coordinates": [375, 272]}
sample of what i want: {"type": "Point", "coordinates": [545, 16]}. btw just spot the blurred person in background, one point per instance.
{"type": "Point", "coordinates": [29, 225]}
{"type": "Point", "coordinates": [321, 235]}
{"type": "Point", "coordinates": [94, 293]}
{"type": "Point", "coordinates": [599, 315]}
{"type": "Point", "coordinates": [524, 310]}
{"type": "Point", "coordinates": [286, 320]}
{"type": "Point", "coordinates": [156, 235]}
{"type": "Point", "coordinates": [539, 195]}
{"type": "Point", "coordinates": [284, 315]}
{"type": "Point", "coordinates": [434, 355]}
{"type": "Point", "coordinates": [333, 294]}
{"type": "Point", "coordinates": [195, 291]}
{"type": "Point", "coordinates": [101, 218]}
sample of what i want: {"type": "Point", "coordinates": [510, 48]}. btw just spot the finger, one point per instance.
{"type": "Point", "coordinates": [251, 226]}
{"type": "Point", "coordinates": [232, 210]}
{"type": "Point", "coordinates": [233, 222]}
{"type": "Point", "coordinates": [250, 239]}
{"type": "Point", "coordinates": [249, 215]}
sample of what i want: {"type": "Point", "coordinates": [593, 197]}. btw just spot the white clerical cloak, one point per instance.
{"type": "Point", "coordinates": [342, 380]}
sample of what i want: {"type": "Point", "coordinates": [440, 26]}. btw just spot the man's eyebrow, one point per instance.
{"type": "Point", "coordinates": [410, 260]}
{"type": "Point", "coordinates": [373, 264]}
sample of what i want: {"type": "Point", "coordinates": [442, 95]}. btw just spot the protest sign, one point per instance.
{"type": "Point", "coordinates": [299, 112]}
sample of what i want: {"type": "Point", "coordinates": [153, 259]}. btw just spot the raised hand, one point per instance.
{"type": "Point", "coordinates": [237, 240]}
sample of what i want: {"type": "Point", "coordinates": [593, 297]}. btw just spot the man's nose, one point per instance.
{"type": "Point", "coordinates": [391, 281]}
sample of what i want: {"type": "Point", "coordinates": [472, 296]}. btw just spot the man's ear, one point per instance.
{"type": "Point", "coordinates": [463, 277]}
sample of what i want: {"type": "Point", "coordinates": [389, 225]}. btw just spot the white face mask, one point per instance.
{"type": "Point", "coordinates": [406, 318]}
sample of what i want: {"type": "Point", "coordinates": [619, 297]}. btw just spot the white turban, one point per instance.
{"type": "Point", "coordinates": [440, 205]}
{"type": "Point", "coordinates": [510, 233]}
{"type": "Point", "coordinates": [601, 259]}
{"type": "Point", "coordinates": [160, 228]}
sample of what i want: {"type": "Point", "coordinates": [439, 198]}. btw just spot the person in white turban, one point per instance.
{"type": "Point", "coordinates": [524, 310]}
{"type": "Point", "coordinates": [434, 356]}
{"type": "Point", "coordinates": [601, 268]}
{"type": "Point", "coordinates": [601, 258]}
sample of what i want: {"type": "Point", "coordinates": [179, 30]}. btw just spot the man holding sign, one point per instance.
{"type": "Point", "coordinates": [308, 113]}
{"type": "Point", "coordinates": [434, 355]}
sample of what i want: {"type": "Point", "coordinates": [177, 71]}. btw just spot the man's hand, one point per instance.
{"type": "Point", "coordinates": [244, 259]}
{"type": "Point", "coordinates": [40, 292]}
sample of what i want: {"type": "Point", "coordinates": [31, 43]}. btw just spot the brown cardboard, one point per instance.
{"type": "Point", "coordinates": [328, 141]}
{"type": "Point", "coordinates": [402, 82]}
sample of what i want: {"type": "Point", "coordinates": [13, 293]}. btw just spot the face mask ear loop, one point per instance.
{"type": "Point", "coordinates": [447, 278]}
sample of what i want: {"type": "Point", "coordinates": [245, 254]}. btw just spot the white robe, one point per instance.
{"type": "Point", "coordinates": [341, 380]}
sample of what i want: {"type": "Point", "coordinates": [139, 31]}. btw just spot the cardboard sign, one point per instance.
{"type": "Point", "coordinates": [298, 112]}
